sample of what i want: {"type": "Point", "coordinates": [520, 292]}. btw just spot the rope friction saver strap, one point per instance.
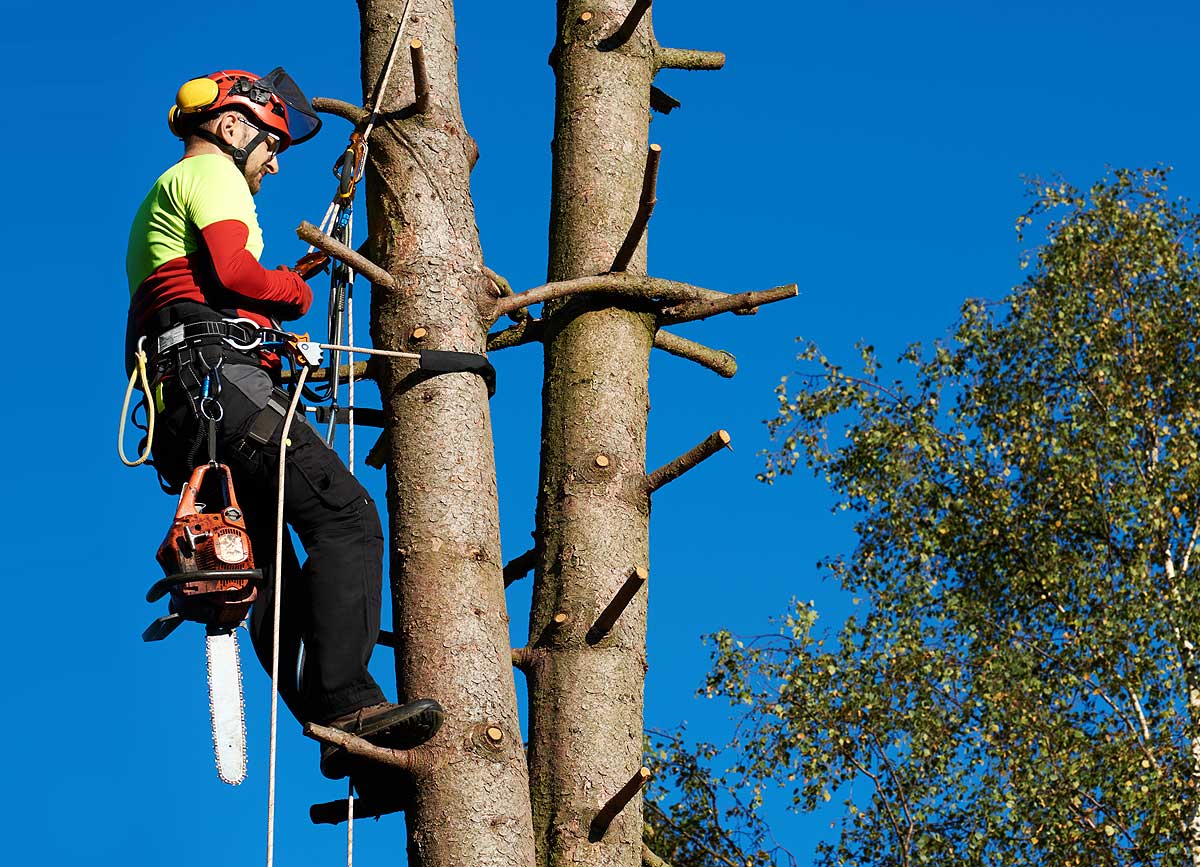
{"type": "Point", "coordinates": [437, 361]}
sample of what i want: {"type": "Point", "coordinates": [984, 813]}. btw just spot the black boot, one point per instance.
{"type": "Point", "coordinates": [398, 727]}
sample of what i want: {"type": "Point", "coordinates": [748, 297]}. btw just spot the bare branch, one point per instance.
{"type": "Point", "coordinates": [688, 58]}
{"type": "Point", "coordinates": [633, 285]}
{"type": "Point", "coordinates": [743, 302]}
{"type": "Point", "coordinates": [645, 208]}
{"type": "Point", "coordinates": [407, 760]}
{"type": "Point", "coordinates": [621, 35]}
{"type": "Point", "coordinates": [356, 114]}
{"type": "Point", "coordinates": [604, 818]}
{"type": "Point", "coordinates": [420, 76]}
{"type": "Point", "coordinates": [620, 601]}
{"type": "Point", "coordinates": [712, 444]}
{"type": "Point", "coordinates": [504, 289]}
{"type": "Point", "coordinates": [377, 275]}
{"type": "Point", "coordinates": [717, 360]}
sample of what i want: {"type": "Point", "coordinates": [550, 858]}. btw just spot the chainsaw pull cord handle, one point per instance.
{"type": "Point", "coordinates": [139, 378]}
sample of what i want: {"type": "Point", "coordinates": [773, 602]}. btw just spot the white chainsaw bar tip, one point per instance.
{"type": "Point", "coordinates": [225, 705]}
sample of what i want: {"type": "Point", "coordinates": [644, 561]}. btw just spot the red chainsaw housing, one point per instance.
{"type": "Point", "coordinates": [206, 557]}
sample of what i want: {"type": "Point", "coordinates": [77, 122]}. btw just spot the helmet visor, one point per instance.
{"type": "Point", "coordinates": [302, 120]}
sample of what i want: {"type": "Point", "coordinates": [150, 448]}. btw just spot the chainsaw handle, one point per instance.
{"type": "Point", "coordinates": [187, 499]}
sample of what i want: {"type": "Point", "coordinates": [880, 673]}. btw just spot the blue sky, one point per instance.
{"type": "Point", "coordinates": [871, 152]}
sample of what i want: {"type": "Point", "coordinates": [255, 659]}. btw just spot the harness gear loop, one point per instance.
{"type": "Point", "coordinates": [137, 377]}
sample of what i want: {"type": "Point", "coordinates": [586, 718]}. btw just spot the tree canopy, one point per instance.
{"type": "Point", "coordinates": [1019, 681]}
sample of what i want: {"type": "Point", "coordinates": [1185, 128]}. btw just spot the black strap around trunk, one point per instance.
{"type": "Point", "coordinates": [449, 361]}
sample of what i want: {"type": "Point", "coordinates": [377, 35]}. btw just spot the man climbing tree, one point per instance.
{"type": "Point", "coordinates": [199, 298]}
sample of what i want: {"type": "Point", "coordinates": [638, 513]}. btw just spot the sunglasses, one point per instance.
{"type": "Point", "coordinates": [271, 141]}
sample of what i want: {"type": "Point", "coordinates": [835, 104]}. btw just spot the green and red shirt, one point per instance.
{"type": "Point", "coordinates": [196, 238]}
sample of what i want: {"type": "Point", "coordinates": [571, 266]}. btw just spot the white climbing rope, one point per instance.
{"type": "Point", "coordinates": [278, 590]}
{"type": "Point", "coordinates": [350, 824]}
{"type": "Point", "coordinates": [350, 357]}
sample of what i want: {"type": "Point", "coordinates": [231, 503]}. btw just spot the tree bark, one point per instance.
{"type": "Point", "coordinates": [585, 706]}
{"type": "Point", "coordinates": [451, 627]}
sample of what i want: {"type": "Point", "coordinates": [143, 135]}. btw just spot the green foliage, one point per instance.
{"type": "Point", "coordinates": [1019, 684]}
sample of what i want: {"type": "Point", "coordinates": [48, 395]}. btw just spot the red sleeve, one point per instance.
{"type": "Point", "coordinates": [282, 292]}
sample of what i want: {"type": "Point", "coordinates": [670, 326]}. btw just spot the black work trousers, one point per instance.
{"type": "Point", "coordinates": [331, 603]}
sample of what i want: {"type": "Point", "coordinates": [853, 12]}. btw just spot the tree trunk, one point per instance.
{"type": "Point", "coordinates": [586, 699]}
{"type": "Point", "coordinates": [451, 627]}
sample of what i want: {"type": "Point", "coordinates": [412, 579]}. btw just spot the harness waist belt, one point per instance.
{"type": "Point", "coordinates": [236, 334]}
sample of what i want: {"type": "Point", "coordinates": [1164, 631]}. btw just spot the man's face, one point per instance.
{"type": "Point", "coordinates": [261, 161]}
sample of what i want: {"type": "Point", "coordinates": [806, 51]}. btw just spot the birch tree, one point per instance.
{"type": "Point", "coordinates": [1019, 682]}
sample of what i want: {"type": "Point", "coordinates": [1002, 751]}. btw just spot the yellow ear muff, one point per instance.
{"type": "Point", "coordinates": [172, 117]}
{"type": "Point", "coordinates": [197, 95]}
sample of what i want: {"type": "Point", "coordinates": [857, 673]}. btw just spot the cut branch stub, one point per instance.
{"type": "Point", "coordinates": [522, 657]}
{"type": "Point", "coordinates": [518, 567]}
{"type": "Point", "coordinates": [645, 209]}
{"type": "Point", "coordinates": [668, 472]}
{"type": "Point", "coordinates": [336, 249]}
{"type": "Point", "coordinates": [661, 101]}
{"type": "Point", "coordinates": [718, 361]}
{"type": "Point", "coordinates": [526, 331]}
{"type": "Point", "coordinates": [616, 804]}
{"type": "Point", "coordinates": [321, 374]}
{"type": "Point", "coordinates": [407, 760]}
{"type": "Point", "coordinates": [688, 58]}
{"type": "Point", "coordinates": [621, 35]}
{"type": "Point", "coordinates": [335, 812]}
{"type": "Point", "coordinates": [743, 303]}
{"type": "Point", "coordinates": [377, 457]}
{"type": "Point", "coordinates": [608, 617]}
{"type": "Point", "coordinates": [356, 114]}
{"type": "Point", "coordinates": [420, 76]}
{"type": "Point", "coordinates": [556, 625]}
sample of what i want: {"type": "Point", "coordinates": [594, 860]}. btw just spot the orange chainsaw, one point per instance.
{"type": "Point", "coordinates": [211, 579]}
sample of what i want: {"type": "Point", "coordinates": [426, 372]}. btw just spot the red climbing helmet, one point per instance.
{"type": "Point", "coordinates": [272, 102]}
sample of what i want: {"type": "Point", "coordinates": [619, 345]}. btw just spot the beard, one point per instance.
{"type": "Point", "coordinates": [253, 180]}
